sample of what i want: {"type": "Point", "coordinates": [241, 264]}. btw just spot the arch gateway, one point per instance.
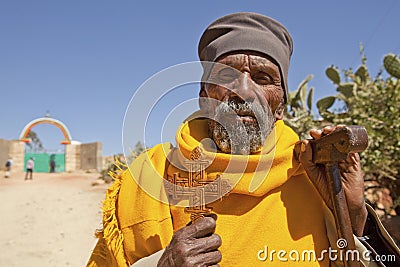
{"type": "Point", "coordinates": [76, 156]}
{"type": "Point", "coordinates": [47, 120]}
{"type": "Point", "coordinates": [46, 161]}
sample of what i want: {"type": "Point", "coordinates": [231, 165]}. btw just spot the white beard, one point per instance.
{"type": "Point", "coordinates": [237, 136]}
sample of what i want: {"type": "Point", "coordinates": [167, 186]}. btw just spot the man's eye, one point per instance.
{"type": "Point", "coordinates": [262, 78]}
{"type": "Point", "coordinates": [227, 75]}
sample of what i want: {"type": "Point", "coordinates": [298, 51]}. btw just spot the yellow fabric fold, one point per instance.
{"type": "Point", "coordinates": [136, 224]}
{"type": "Point", "coordinates": [109, 248]}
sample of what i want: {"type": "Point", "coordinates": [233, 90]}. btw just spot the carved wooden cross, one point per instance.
{"type": "Point", "coordinates": [196, 187]}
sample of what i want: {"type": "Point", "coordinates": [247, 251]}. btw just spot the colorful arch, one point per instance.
{"type": "Point", "coordinates": [24, 134]}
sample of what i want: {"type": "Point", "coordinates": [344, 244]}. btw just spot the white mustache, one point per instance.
{"type": "Point", "coordinates": [241, 109]}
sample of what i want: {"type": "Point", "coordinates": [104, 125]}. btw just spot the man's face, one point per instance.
{"type": "Point", "coordinates": [249, 95]}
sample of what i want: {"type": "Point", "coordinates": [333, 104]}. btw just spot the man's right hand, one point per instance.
{"type": "Point", "coordinates": [193, 245]}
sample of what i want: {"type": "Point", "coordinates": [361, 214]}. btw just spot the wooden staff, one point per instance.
{"type": "Point", "coordinates": [329, 150]}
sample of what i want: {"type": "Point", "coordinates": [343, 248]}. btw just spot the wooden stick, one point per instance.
{"type": "Point", "coordinates": [329, 150]}
{"type": "Point", "coordinates": [341, 212]}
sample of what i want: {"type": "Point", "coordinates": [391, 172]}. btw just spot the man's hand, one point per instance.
{"type": "Point", "coordinates": [194, 245]}
{"type": "Point", "coordinates": [352, 180]}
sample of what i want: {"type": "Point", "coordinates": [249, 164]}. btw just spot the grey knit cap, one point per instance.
{"type": "Point", "coordinates": [248, 31]}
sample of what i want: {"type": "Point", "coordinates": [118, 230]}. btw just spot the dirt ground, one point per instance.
{"type": "Point", "coordinates": [50, 220]}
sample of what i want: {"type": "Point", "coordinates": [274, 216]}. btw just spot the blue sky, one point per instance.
{"type": "Point", "coordinates": [83, 60]}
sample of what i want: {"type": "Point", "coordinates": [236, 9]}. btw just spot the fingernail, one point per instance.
{"type": "Point", "coordinates": [303, 147]}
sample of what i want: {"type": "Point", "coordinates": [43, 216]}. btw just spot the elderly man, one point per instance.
{"type": "Point", "coordinates": [277, 201]}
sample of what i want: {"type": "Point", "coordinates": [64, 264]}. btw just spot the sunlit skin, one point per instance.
{"type": "Point", "coordinates": [259, 81]}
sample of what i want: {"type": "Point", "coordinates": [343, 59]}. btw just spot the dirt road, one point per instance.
{"type": "Point", "coordinates": [50, 220]}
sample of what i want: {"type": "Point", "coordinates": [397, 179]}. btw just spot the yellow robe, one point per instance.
{"type": "Point", "coordinates": [273, 206]}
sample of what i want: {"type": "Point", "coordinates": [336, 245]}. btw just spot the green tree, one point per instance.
{"type": "Point", "coordinates": [36, 143]}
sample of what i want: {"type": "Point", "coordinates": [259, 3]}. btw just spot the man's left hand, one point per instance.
{"type": "Point", "coordinates": [352, 180]}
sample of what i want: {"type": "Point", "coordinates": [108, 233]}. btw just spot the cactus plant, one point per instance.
{"type": "Point", "coordinates": [325, 103]}
{"type": "Point", "coordinates": [299, 116]}
{"type": "Point", "coordinates": [392, 65]}
{"type": "Point", "coordinates": [333, 74]}
{"type": "Point", "coordinates": [310, 98]}
{"type": "Point", "coordinates": [362, 73]}
{"type": "Point", "coordinates": [348, 90]}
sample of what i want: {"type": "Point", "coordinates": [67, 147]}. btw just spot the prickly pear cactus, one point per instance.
{"type": "Point", "coordinates": [299, 116]}
{"type": "Point", "coordinates": [347, 89]}
{"type": "Point", "coordinates": [362, 73]}
{"type": "Point", "coordinates": [325, 103]}
{"type": "Point", "coordinates": [392, 65]}
{"type": "Point", "coordinates": [333, 74]}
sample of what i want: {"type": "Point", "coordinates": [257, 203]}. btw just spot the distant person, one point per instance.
{"type": "Point", "coordinates": [9, 163]}
{"type": "Point", "coordinates": [52, 165]}
{"type": "Point", "coordinates": [29, 168]}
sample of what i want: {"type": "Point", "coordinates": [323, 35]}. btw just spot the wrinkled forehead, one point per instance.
{"type": "Point", "coordinates": [253, 57]}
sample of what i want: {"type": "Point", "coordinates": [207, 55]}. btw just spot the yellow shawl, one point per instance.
{"type": "Point", "coordinates": [260, 217]}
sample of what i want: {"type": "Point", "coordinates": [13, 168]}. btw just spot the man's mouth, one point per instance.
{"type": "Point", "coordinates": [243, 116]}
{"type": "Point", "coordinates": [246, 116]}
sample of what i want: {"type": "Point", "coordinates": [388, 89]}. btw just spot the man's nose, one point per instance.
{"type": "Point", "coordinates": [244, 87]}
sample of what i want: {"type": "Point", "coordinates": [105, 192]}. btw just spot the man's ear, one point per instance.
{"type": "Point", "coordinates": [280, 111]}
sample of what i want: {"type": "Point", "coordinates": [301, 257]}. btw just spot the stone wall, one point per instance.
{"type": "Point", "coordinates": [14, 149]}
{"type": "Point", "coordinates": [4, 152]}
{"type": "Point", "coordinates": [72, 157]}
{"type": "Point", "coordinates": [91, 156]}
{"type": "Point", "coordinates": [17, 152]}
{"type": "Point", "coordinates": [83, 157]}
